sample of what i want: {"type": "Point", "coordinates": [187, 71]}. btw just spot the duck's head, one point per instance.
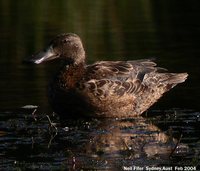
{"type": "Point", "coordinates": [67, 47]}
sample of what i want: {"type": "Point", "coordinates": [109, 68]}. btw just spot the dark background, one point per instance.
{"type": "Point", "coordinates": [111, 30]}
{"type": "Point", "coordinates": [168, 30]}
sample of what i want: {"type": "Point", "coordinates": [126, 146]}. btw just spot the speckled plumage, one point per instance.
{"type": "Point", "coordinates": [105, 88]}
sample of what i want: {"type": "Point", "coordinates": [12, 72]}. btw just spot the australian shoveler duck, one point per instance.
{"type": "Point", "coordinates": [105, 88]}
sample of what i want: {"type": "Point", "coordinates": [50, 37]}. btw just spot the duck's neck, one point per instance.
{"type": "Point", "coordinates": [71, 74]}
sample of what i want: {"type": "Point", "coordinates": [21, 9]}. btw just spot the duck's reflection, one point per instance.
{"type": "Point", "coordinates": [122, 140]}
{"type": "Point", "coordinates": [137, 136]}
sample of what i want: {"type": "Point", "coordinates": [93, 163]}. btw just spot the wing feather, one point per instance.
{"type": "Point", "coordinates": [121, 69]}
{"type": "Point", "coordinates": [106, 87]}
{"type": "Point", "coordinates": [116, 78]}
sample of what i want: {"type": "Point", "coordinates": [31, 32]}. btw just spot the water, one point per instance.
{"type": "Point", "coordinates": [121, 30]}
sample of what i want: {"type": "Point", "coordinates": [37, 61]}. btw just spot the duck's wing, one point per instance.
{"type": "Point", "coordinates": [103, 88]}
{"type": "Point", "coordinates": [107, 78]}
{"type": "Point", "coordinates": [121, 69]}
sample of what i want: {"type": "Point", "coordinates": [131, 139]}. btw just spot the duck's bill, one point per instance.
{"type": "Point", "coordinates": [45, 55]}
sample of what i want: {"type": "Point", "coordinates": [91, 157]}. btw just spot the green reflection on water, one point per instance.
{"type": "Point", "coordinates": [103, 25]}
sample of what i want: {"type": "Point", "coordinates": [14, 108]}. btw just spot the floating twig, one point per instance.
{"type": "Point", "coordinates": [175, 146]}
{"type": "Point", "coordinates": [52, 125]}
{"type": "Point", "coordinates": [51, 139]}
{"type": "Point", "coordinates": [33, 114]}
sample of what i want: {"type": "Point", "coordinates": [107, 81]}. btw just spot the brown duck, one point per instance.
{"type": "Point", "coordinates": [105, 88]}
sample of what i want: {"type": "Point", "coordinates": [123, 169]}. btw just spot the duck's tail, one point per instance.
{"type": "Point", "coordinates": [176, 78]}
{"type": "Point", "coordinates": [157, 84]}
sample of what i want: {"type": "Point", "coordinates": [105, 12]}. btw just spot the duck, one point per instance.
{"type": "Point", "coordinates": [103, 89]}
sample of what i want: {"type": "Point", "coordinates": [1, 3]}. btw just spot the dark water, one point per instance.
{"type": "Point", "coordinates": [111, 30]}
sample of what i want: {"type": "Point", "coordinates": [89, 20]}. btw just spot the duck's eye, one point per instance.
{"type": "Point", "coordinates": [65, 41]}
